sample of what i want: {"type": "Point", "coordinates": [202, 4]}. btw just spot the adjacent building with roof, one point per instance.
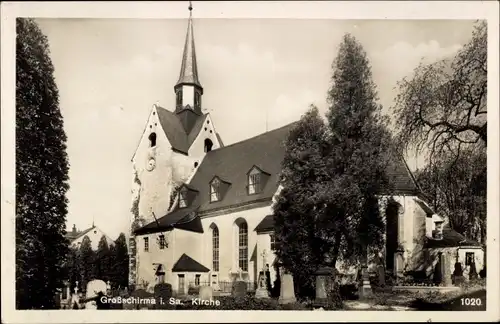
{"type": "Point", "coordinates": [206, 209]}
{"type": "Point", "coordinates": [94, 233]}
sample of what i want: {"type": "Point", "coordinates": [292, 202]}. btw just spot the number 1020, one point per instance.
{"type": "Point", "coordinates": [471, 301]}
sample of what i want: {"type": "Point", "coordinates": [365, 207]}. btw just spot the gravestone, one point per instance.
{"type": "Point", "coordinates": [239, 289]}
{"type": "Point", "coordinates": [365, 289]}
{"type": "Point", "coordinates": [446, 272]}
{"type": "Point", "coordinates": [381, 275]}
{"type": "Point", "coordinates": [261, 291]}
{"type": "Point", "coordinates": [287, 292]}
{"type": "Point", "coordinates": [323, 286]}
{"type": "Point", "coordinates": [399, 264]}
{"type": "Point", "coordinates": [206, 293]}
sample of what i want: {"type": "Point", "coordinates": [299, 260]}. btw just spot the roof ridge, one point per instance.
{"type": "Point", "coordinates": [253, 137]}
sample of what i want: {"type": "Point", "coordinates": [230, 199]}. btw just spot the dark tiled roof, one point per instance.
{"type": "Point", "coordinates": [266, 225]}
{"type": "Point", "coordinates": [450, 238]}
{"type": "Point", "coordinates": [187, 264]}
{"type": "Point", "coordinates": [175, 132]}
{"type": "Point", "coordinates": [266, 151]}
{"type": "Point", "coordinates": [181, 216]}
{"type": "Point", "coordinates": [79, 234]}
{"type": "Point", "coordinates": [401, 178]}
{"type": "Point", "coordinates": [425, 208]}
{"type": "Point", "coordinates": [231, 164]}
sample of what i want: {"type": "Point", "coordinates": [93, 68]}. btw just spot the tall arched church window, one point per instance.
{"type": "Point", "coordinates": [243, 246]}
{"type": "Point", "coordinates": [215, 248]}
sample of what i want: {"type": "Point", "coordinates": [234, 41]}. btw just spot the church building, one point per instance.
{"type": "Point", "coordinates": [205, 209]}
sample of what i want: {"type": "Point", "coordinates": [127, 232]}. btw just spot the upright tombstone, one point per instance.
{"type": "Point", "coordinates": [365, 289]}
{"type": "Point", "coordinates": [324, 284]}
{"type": "Point", "coordinates": [287, 292]}
{"type": "Point", "coordinates": [446, 272]}
{"type": "Point", "coordinates": [261, 291]}
{"type": "Point", "coordinates": [205, 293]}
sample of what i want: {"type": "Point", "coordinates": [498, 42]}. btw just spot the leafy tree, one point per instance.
{"type": "Point", "coordinates": [332, 173]}
{"type": "Point", "coordinates": [121, 261]}
{"type": "Point", "coordinates": [103, 258]}
{"type": "Point", "coordinates": [442, 107]}
{"type": "Point", "coordinates": [87, 264]}
{"type": "Point", "coordinates": [41, 173]}
{"type": "Point", "coordinates": [300, 248]}
{"type": "Point", "coordinates": [456, 187]}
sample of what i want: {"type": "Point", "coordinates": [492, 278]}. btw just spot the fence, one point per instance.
{"type": "Point", "coordinates": [224, 286]}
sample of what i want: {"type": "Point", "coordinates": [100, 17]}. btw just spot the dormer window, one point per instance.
{"type": "Point", "coordinates": [254, 181]}
{"type": "Point", "coordinates": [183, 198]}
{"type": "Point", "coordinates": [215, 190]}
{"type": "Point", "coordinates": [438, 230]}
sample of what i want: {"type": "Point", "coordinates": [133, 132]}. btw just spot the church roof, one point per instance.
{"type": "Point", "coordinates": [188, 264]}
{"type": "Point", "coordinates": [451, 238]}
{"type": "Point", "coordinates": [189, 67]}
{"type": "Point", "coordinates": [265, 151]}
{"type": "Point", "coordinates": [176, 134]}
{"type": "Point", "coordinates": [73, 236]}
{"type": "Point", "coordinates": [266, 225]}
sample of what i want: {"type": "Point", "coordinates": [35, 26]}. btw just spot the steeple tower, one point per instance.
{"type": "Point", "coordinates": [188, 88]}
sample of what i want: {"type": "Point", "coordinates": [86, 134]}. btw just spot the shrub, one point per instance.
{"type": "Point", "coordinates": [473, 272]}
{"type": "Point", "coordinates": [482, 273]}
{"type": "Point", "coordinates": [245, 303]}
{"type": "Point", "coordinates": [334, 298]}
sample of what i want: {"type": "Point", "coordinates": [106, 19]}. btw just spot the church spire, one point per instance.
{"type": "Point", "coordinates": [189, 69]}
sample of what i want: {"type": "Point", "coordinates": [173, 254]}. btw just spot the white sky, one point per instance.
{"type": "Point", "coordinates": [110, 71]}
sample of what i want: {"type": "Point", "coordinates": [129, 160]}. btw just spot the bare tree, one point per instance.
{"type": "Point", "coordinates": [443, 106]}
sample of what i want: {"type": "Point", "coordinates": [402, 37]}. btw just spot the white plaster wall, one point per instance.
{"type": "Point", "coordinates": [228, 244]}
{"type": "Point", "coordinates": [146, 260]}
{"type": "Point", "coordinates": [156, 184]}
{"type": "Point", "coordinates": [197, 149]}
{"type": "Point", "coordinates": [264, 243]}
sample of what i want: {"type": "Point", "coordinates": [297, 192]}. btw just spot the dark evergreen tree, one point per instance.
{"type": "Point", "coordinates": [361, 153]}
{"type": "Point", "coordinates": [41, 173]}
{"type": "Point", "coordinates": [121, 264]}
{"type": "Point", "coordinates": [103, 265]}
{"type": "Point", "coordinates": [87, 263]}
{"type": "Point", "coordinates": [332, 176]}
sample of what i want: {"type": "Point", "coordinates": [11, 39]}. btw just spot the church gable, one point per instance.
{"type": "Point", "coordinates": [153, 135]}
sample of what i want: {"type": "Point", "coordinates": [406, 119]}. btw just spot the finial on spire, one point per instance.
{"type": "Point", "coordinates": [190, 7]}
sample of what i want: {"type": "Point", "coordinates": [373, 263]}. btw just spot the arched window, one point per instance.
{"type": "Point", "coordinates": [215, 248]}
{"type": "Point", "coordinates": [152, 139]}
{"type": "Point", "coordinates": [208, 145]}
{"type": "Point", "coordinates": [243, 246]}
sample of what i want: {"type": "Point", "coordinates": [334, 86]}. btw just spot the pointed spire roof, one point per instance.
{"type": "Point", "coordinates": [189, 68]}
